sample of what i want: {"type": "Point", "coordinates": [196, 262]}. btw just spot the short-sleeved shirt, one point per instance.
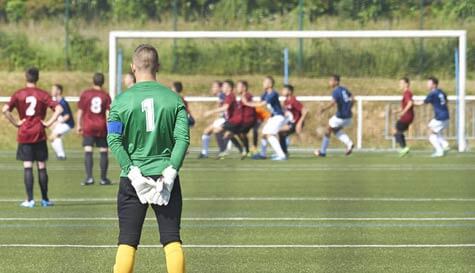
{"type": "Point", "coordinates": [273, 103]}
{"type": "Point", "coordinates": [94, 104]}
{"type": "Point", "coordinates": [438, 99]}
{"type": "Point", "coordinates": [31, 104]}
{"type": "Point", "coordinates": [343, 100]}
{"type": "Point", "coordinates": [295, 107]}
{"type": "Point", "coordinates": [248, 113]}
{"type": "Point", "coordinates": [233, 114]}
{"type": "Point", "coordinates": [67, 111]}
{"type": "Point", "coordinates": [221, 97]}
{"type": "Point", "coordinates": [408, 117]}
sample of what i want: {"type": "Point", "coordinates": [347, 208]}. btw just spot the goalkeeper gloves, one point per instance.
{"type": "Point", "coordinates": [169, 176]}
{"type": "Point", "coordinates": [145, 187]}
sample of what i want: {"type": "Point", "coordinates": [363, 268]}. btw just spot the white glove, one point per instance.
{"type": "Point", "coordinates": [141, 184]}
{"type": "Point", "coordinates": [169, 176]}
{"type": "Point", "coordinates": [161, 195]}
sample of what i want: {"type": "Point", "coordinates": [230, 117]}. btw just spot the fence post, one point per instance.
{"type": "Point", "coordinates": [359, 132]}
{"type": "Point", "coordinates": [286, 66]}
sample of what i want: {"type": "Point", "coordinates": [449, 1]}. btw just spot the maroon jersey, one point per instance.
{"type": "Point", "coordinates": [295, 107]}
{"type": "Point", "coordinates": [94, 104]}
{"type": "Point", "coordinates": [31, 104]}
{"type": "Point", "coordinates": [248, 113]}
{"type": "Point", "coordinates": [233, 115]}
{"type": "Point", "coordinates": [408, 117]}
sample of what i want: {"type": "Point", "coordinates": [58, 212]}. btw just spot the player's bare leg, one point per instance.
{"type": "Point", "coordinates": [104, 164]}
{"type": "Point", "coordinates": [28, 179]}
{"type": "Point", "coordinates": [88, 164]}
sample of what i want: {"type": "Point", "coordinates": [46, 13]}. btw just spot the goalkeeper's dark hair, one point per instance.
{"type": "Point", "coordinates": [245, 83]}
{"type": "Point", "coordinates": [146, 58]}
{"type": "Point", "coordinates": [32, 75]}
{"type": "Point", "coordinates": [406, 80]}
{"type": "Point", "coordinates": [178, 86]}
{"type": "Point", "coordinates": [434, 80]}
{"type": "Point", "coordinates": [98, 79]}
{"type": "Point", "coordinates": [336, 77]}
{"type": "Point", "coordinates": [229, 82]}
{"type": "Point", "coordinates": [59, 87]}
{"type": "Point", "coordinates": [289, 87]}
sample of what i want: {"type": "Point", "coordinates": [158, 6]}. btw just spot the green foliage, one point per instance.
{"type": "Point", "coordinates": [15, 10]}
{"type": "Point", "coordinates": [16, 53]}
{"type": "Point", "coordinates": [86, 54]}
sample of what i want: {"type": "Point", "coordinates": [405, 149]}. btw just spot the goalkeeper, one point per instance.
{"type": "Point", "coordinates": [148, 134]}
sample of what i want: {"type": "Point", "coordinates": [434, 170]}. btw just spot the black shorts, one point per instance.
{"type": "Point", "coordinates": [245, 128]}
{"type": "Point", "coordinates": [32, 151]}
{"type": "Point", "coordinates": [100, 142]}
{"type": "Point", "coordinates": [233, 128]}
{"type": "Point", "coordinates": [132, 214]}
{"type": "Point", "coordinates": [402, 126]}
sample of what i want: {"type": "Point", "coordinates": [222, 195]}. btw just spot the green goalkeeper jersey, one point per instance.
{"type": "Point", "coordinates": [148, 128]}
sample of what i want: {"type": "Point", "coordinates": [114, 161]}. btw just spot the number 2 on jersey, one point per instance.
{"type": "Point", "coordinates": [30, 111]}
{"type": "Point", "coordinates": [148, 108]}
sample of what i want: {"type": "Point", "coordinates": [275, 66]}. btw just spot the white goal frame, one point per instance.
{"type": "Point", "coordinates": [461, 35]}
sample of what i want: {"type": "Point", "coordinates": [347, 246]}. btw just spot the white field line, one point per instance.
{"type": "Point", "coordinates": [238, 219]}
{"type": "Point", "coordinates": [263, 198]}
{"type": "Point", "coordinates": [248, 246]}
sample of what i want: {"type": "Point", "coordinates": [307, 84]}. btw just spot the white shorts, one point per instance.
{"type": "Point", "coordinates": [218, 123]}
{"type": "Point", "coordinates": [335, 122]}
{"type": "Point", "coordinates": [61, 129]}
{"type": "Point", "coordinates": [437, 126]}
{"type": "Point", "coordinates": [273, 125]}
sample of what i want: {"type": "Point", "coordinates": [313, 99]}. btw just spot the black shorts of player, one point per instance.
{"type": "Point", "coordinates": [245, 128]}
{"type": "Point", "coordinates": [402, 126]}
{"type": "Point", "coordinates": [32, 151]}
{"type": "Point", "coordinates": [233, 128]}
{"type": "Point", "coordinates": [100, 142]}
{"type": "Point", "coordinates": [132, 214]}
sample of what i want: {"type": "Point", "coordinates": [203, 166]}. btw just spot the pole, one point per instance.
{"type": "Point", "coordinates": [286, 66]}
{"type": "Point", "coordinates": [462, 144]}
{"type": "Point", "coordinates": [300, 55]}
{"type": "Point", "coordinates": [112, 64]}
{"type": "Point", "coordinates": [421, 41]}
{"type": "Point", "coordinates": [120, 59]}
{"type": "Point", "coordinates": [175, 15]}
{"type": "Point", "coordinates": [67, 7]}
{"type": "Point", "coordinates": [456, 58]}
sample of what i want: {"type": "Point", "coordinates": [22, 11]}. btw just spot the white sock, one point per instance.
{"type": "Point", "coordinates": [325, 143]}
{"type": "Point", "coordinates": [229, 146]}
{"type": "Point", "coordinates": [205, 144]}
{"type": "Point", "coordinates": [434, 140]}
{"type": "Point", "coordinates": [344, 138]}
{"type": "Point", "coordinates": [274, 143]}
{"type": "Point", "coordinates": [57, 145]}
{"type": "Point", "coordinates": [264, 147]}
{"type": "Point", "coordinates": [443, 143]}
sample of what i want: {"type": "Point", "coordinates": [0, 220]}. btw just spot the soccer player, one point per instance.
{"type": "Point", "coordinates": [178, 88]}
{"type": "Point", "coordinates": [406, 116]}
{"type": "Point", "coordinates": [129, 80]}
{"type": "Point", "coordinates": [249, 116]}
{"type": "Point", "coordinates": [216, 125]}
{"type": "Point", "coordinates": [440, 122]}
{"type": "Point", "coordinates": [63, 125]}
{"type": "Point", "coordinates": [32, 104]}
{"type": "Point", "coordinates": [233, 118]}
{"type": "Point", "coordinates": [149, 136]}
{"type": "Point", "coordinates": [295, 114]}
{"type": "Point", "coordinates": [271, 129]}
{"type": "Point", "coordinates": [343, 100]}
{"type": "Point", "coordinates": [93, 106]}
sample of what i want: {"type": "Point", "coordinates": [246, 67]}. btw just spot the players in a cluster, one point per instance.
{"type": "Point", "coordinates": [94, 104]}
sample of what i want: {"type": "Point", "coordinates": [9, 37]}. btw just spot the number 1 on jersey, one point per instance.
{"type": "Point", "coordinates": [148, 108]}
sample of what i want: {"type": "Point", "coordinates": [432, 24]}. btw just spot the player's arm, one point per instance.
{"type": "Point", "coordinates": [255, 104]}
{"type": "Point", "coordinates": [79, 121]}
{"type": "Point", "coordinates": [427, 100]}
{"type": "Point", "coordinates": [328, 106]}
{"type": "Point", "coordinates": [8, 114]}
{"type": "Point", "coordinates": [181, 135]}
{"type": "Point", "coordinates": [217, 110]}
{"type": "Point", "coordinates": [58, 109]}
{"type": "Point", "coordinates": [115, 130]}
{"type": "Point", "coordinates": [408, 106]}
{"type": "Point", "coordinates": [299, 125]}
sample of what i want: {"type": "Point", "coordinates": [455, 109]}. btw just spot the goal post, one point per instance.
{"type": "Point", "coordinates": [461, 35]}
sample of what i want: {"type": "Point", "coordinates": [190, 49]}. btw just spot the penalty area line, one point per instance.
{"type": "Point", "coordinates": [248, 246]}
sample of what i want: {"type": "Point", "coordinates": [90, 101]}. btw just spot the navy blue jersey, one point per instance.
{"type": "Point", "coordinates": [67, 111]}
{"type": "Point", "coordinates": [221, 96]}
{"type": "Point", "coordinates": [438, 99]}
{"type": "Point", "coordinates": [343, 100]}
{"type": "Point", "coordinates": [273, 103]}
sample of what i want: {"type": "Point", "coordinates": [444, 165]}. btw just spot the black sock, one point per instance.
{"type": "Point", "coordinates": [220, 141]}
{"type": "Point", "coordinates": [283, 142]}
{"type": "Point", "coordinates": [104, 165]}
{"type": "Point", "coordinates": [88, 164]}
{"type": "Point", "coordinates": [400, 139]}
{"type": "Point", "coordinates": [236, 143]}
{"type": "Point", "coordinates": [245, 142]}
{"type": "Point", "coordinates": [28, 178]}
{"type": "Point", "coordinates": [43, 179]}
{"type": "Point", "coordinates": [255, 134]}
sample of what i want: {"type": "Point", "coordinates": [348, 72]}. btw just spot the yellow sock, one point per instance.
{"type": "Point", "coordinates": [175, 258]}
{"type": "Point", "coordinates": [125, 259]}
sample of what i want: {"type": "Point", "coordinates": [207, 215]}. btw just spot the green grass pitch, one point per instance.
{"type": "Point", "coordinates": [371, 212]}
